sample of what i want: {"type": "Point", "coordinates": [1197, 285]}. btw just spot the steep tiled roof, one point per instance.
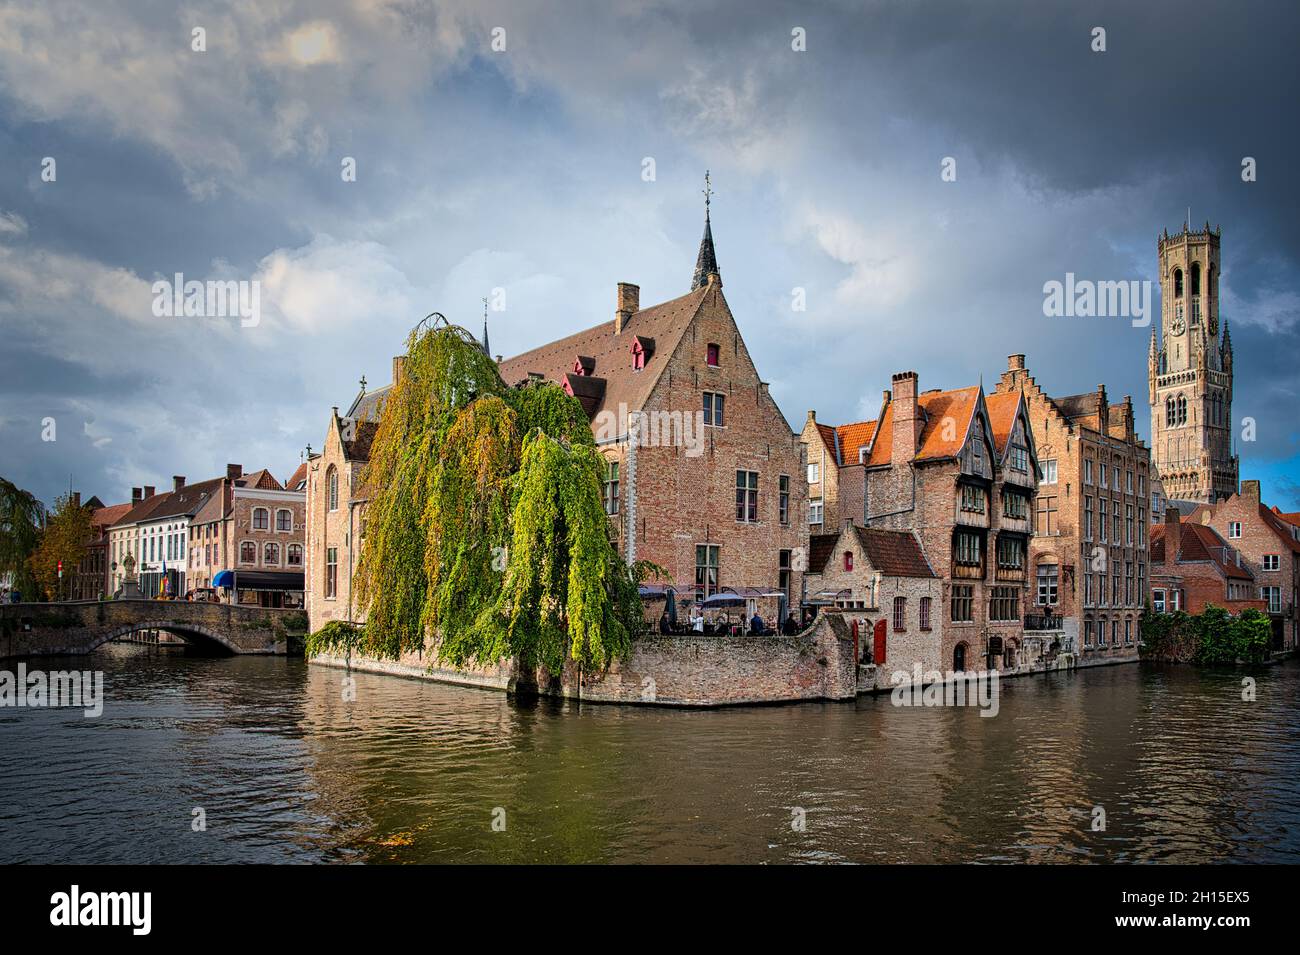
{"type": "Point", "coordinates": [894, 553]}
{"type": "Point", "coordinates": [612, 354]}
{"type": "Point", "coordinates": [820, 548]}
{"type": "Point", "coordinates": [108, 516]}
{"type": "Point", "coordinates": [1293, 518]}
{"type": "Point", "coordinates": [1002, 416]}
{"type": "Point", "coordinates": [263, 480]}
{"type": "Point", "coordinates": [936, 440]}
{"type": "Point", "coordinates": [183, 503]}
{"type": "Point", "coordinates": [297, 479]}
{"type": "Point", "coordinates": [830, 440]}
{"type": "Point", "coordinates": [368, 406]}
{"type": "Point", "coordinates": [1279, 527]}
{"type": "Point", "coordinates": [1198, 543]}
{"type": "Point", "coordinates": [854, 437]}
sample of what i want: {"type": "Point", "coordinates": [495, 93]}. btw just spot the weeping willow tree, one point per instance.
{"type": "Point", "coordinates": [485, 526]}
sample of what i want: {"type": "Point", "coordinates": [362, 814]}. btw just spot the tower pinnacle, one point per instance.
{"type": "Point", "coordinates": [706, 263]}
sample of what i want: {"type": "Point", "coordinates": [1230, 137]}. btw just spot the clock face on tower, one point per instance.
{"type": "Point", "coordinates": [1178, 326]}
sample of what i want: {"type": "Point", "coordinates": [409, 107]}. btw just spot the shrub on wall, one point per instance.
{"type": "Point", "coordinates": [1212, 637]}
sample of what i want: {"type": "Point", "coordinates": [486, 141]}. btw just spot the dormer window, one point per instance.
{"type": "Point", "coordinates": [848, 560]}
{"type": "Point", "coordinates": [642, 349]}
{"type": "Point", "coordinates": [711, 356]}
{"type": "Point", "coordinates": [584, 365]}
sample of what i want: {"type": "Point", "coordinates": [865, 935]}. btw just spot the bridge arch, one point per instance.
{"type": "Point", "coordinates": [192, 634]}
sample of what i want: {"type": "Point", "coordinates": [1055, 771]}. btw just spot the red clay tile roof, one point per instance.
{"type": "Point", "coordinates": [829, 439]}
{"type": "Point", "coordinates": [1280, 528]}
{"type": "Point", "coordinates": [1002, 416]}
{"type": "Point", "coordinates": [854, 437]}
{"type": "Point", "coordinates": [937, 407]}
{"type": "Point", "coordinates": [1198, 543]}
{"type": "Point", "coordinates": [263, 480]}
{"type": "Point", "coordinates": [894, 553]}
{"type": "Point", "coordinates": [1293, 518]}
{"type": "Point", "coordinates": [108, 516]}
{"type": "Point", "coordinates": [665, 323]}
{"type": "Point", "coordinates": [298, 477]}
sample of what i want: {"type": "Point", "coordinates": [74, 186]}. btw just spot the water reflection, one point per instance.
{"type": "Point", "coordinates": [286, 770]}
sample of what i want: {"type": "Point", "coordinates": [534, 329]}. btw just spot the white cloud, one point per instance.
{"type": "Point", "coordinates": [12, 224]}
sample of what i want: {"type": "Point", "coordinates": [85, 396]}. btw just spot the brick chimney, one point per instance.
{"type": "Point", "coordinates": [137, 495]}
{"type": "Point", "coordinates": [178, 481]}
{"type": "Point", "coordinates": [629, 303]}
{"type": "Point", "coordinates": [1250, 490]}
{"type": "Point", "coordinates": [907, 418]}
{"type": "Point", "coordinates": [1015, 363]}
{"type": "Point", "coordinates": [1173, 535]}
{"type": "Point", "coordinates": [399, 365]}
{"type": "Point", "coordinates": [149, 490]}
{"type": "Point", "coordinates": [234, 471]}
{"type": "Point", "coordinates": [76, 499]}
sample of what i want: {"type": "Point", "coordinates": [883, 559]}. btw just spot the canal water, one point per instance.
{"type": "Point", "coordinates": [284, 770]}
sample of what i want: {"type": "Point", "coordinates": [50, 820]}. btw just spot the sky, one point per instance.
{"type": "Point", "coordinates": [538, 154]}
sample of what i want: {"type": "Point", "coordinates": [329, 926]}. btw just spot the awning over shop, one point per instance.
{"type": "Point", "coordinates": [263, 580]}
{"type": "Point", "coordinates": [224, 579]}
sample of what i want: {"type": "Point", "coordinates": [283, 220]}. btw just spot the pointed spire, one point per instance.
{"type": "Point", "coordinates": [486, 348]}
{"type": "Point", "coordinates": [706, 263]}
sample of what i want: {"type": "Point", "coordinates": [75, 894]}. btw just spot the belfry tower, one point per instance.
{"type": "Point", "coordinates": [1190, 373]}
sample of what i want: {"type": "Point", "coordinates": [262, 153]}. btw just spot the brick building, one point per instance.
{"type": "Point", "coordinates": [155, 533]}
{"type": "Point", "coordinates": [890, 594]}
{"type": "Point", "coordinates": [250, 539]}
{"type": "Point", "coordinates": [1193, 567]}
{"type": "Point", "coordinates": [704, 475]}
{"type": "Point", "coordinates": [1089, 554]}
{"type": "Point", "coordinates": [1269, 547]}
{"type": "Point", "coordinates": [959, 469]}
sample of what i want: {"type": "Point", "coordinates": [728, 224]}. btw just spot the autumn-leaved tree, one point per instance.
{"type": "Point", "coordinates": [65, 537]}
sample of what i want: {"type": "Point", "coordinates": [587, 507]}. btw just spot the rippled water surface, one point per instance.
{"type": "Point", "coordinates": [286, 771]}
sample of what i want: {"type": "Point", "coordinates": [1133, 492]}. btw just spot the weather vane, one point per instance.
{"type": "Point", "coordinates": [707, 190]}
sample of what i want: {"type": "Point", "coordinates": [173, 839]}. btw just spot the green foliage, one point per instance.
{"type": "Point", "coordinates": [1213, 637]}
{"type": "Point", "coordinates": [65, 537]}
{"type": "Point", "coordinates": [335, 637]}
{"type": "Point", "coordinates": [486, 523]}
{"type": "Point", "coordinates": [21, 515]}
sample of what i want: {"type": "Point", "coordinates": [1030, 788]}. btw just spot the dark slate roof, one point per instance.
{"type": "Point", "coordinates": [894, 553]}
{"type": "Point", "coordinates": [369, 405]}
{"type": "Point", "coordinates": [707, 260]}
{"type": "Point", "coordinates": [820, 548]}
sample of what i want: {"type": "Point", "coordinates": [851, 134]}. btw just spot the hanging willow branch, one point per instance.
{"type": "Point", "coordinates": [485, 526]}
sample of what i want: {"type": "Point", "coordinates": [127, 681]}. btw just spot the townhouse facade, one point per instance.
{"type": "Point", "coordinates": [1269, 548]}
{"type": "Point", "coordinates": [1192, 568]}
{"type": "Point", "coordinates": [1089, 554]}
{"type": "Point", "coordinates": [959, 469]}
{"type": "Point", "coordinates": [250, 539]}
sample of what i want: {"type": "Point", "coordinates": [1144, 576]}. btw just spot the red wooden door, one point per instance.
{"type": "Point", "coordinates": [878, 654]}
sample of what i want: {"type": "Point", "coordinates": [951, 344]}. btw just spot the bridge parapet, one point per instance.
{"type": "Point", "coordinates": [75, 627]}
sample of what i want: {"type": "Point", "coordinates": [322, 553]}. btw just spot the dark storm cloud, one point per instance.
{"type": "Point", "coordinates": [522, 170]}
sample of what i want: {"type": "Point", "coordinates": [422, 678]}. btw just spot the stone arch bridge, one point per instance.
{"type": "Point", "coordinates": [74, 627]}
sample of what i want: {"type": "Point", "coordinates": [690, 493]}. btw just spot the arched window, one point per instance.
{"type": "Point", "coordinates": [1182, 409]}
{"type": "Point", "coordinates": [332, 489]}
{"type": "Point", "coordinates": [1178, 283]}
{"type": "Point", "coordinates": [1169, 412]}
{"type": "Point", "coordinates": [284, 520]}
{"type": "Point", "coordinates": [294, 552]}
{"type": "Point", "coordinates": [959, 658]}
{"type": "Point", "coordinates": [247, 552]}
{"type": "Point", "coordinates": [261, 519]}
{"type": "Point", "coordinates": [271, 554]}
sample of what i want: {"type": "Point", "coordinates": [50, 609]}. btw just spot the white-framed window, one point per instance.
{"type": "Point", "coordinates": [1234, 530]}
{"type": "Point", "coordinates": [715, 407]}
{"type": "Point", "coordinates": [1049, 472]}
{"type": "Point", "coordinates": [814, 473]}
{"type": "Point", "coordinates": [271, 554]}
{"type": "Point", "coordinates": [294, 552]}
{"type": "Point", "coordinates": [1048, 584]}
{"type": "Point", "coordinates": [247, 552]}
{"type": "Point", "coordinates": [1272, 561]}
{"type": "Point", "coordinates": [261, 519]}
{"type": "Point", "coordinates": [284, 521]}
{"type": "Point", "coordinates": [1158, 601]}
{"type": "Point", "coordinates": [1273, 595]}
{"type": "Point", "coordinates": [815, 510]}
{"type": "Point", "coordinates": [1087, 470]}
